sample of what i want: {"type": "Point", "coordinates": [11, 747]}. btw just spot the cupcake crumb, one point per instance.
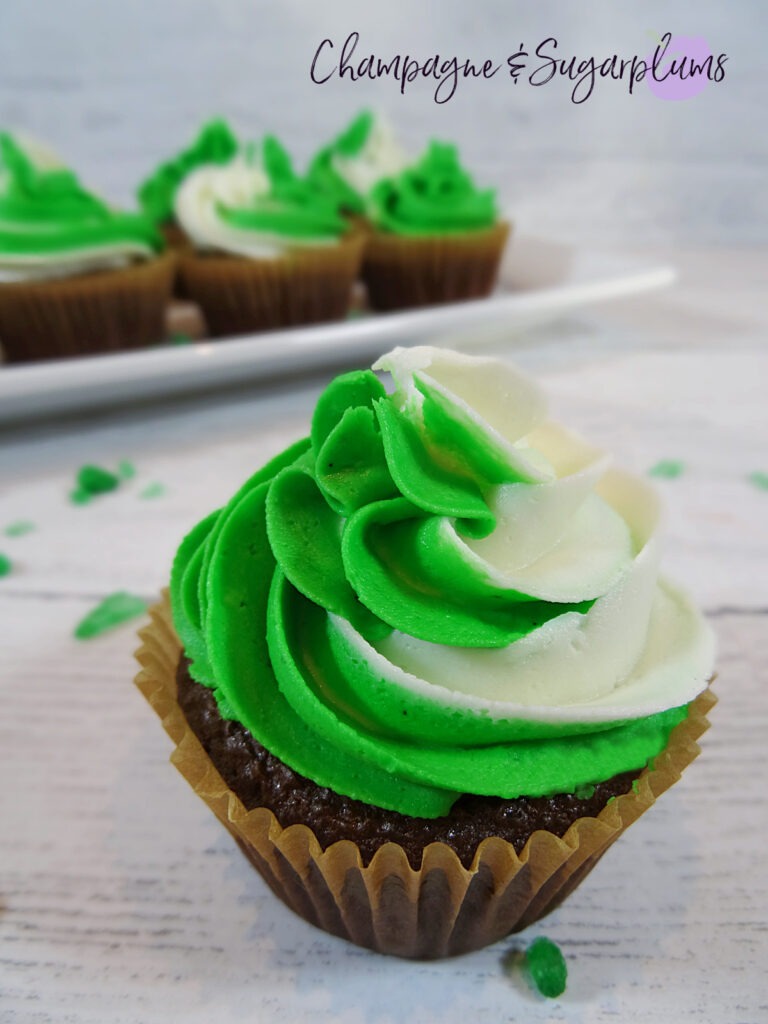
{"type": "Point", "coordinates": [114, 610]}
{"type": "Point", "coordinates": [547, 967]}
{"type": "Point", "coordinates": [90, 481]}
{"type": "Point", "coordinates": [667, 469]}
{"type": "Point", "coordinates": [153, 490]}
{"type": "Point", "coordinates": [19, 528]}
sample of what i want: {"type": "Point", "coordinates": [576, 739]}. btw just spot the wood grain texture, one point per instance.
{"type": "Point", "coordinates": [122, 901]}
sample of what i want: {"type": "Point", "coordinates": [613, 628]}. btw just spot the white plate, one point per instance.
{"type": "Point", "coordinates": [539, 281]}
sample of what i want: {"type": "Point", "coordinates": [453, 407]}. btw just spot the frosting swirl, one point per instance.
{"type": "Point", "coordinates": [256, 206]}
{"type": "Point", "coordinates": [215, 144]}
{"type": "Point", "coordinates": [440, 591]}
{"type": "Point", "coordinates": [50, 226]}
{"type": "Point", "coordinates": [434, 196]}
{"type": "Point", "coordinates": [362, 155]}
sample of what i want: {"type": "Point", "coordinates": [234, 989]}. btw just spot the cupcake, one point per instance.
{"type": "Point", "coordinates": [269, 250]}
{"type": "Point", "coordinates": [76, 276]}
{"type": "Point", "coordinates": [348, 168]}
{"type": "Point", "coordinates": [437, 238]}
{"type": "Point", "coordinates": [422, 665]}
{"type": "Point", "coordinates": [215, 144]}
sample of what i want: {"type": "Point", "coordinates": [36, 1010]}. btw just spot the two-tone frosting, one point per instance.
{"type": "Point", "coordinates": [50, 226]}
{"type": "Point", "coordinates": [256, 206]}
{"type": "Point", "coordinates": [434, 196]}
{"type": "Point", "coordinates": [216, 143]}
{"type": "Point", "coordinates": [441, 591]}
{"type": "Point", "coordinates": [361, 156]}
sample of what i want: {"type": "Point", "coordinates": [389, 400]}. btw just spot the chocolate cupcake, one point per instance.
{"type": "Point", "coordinates": [422, 665]}
{"type": "Point", "coordinates": [76, 277]}
{"type": "Point", "coordinates": [436, 237]}
{"type": "Point", "coordinates": [267, 249]}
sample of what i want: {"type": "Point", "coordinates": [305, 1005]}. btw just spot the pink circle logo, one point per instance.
{"type": "Point", "coordinates": [680, 67]}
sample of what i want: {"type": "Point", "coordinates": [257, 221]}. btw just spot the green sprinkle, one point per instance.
{"type": "Point", "coordinates": [126, 470]}
{"type": "Point", "coordinates": [547, 967]}
{"type": "Point", "coordinates": [112, 611]}
{"type": "Point", "coordinates": [759, 480]}
{"type": "Point", "coordinates": [667, 469]}
{"type": "Point", "coordinates": [95, 480]}
{"type": "Point", "coordinates": [79, 497]}
{"type": "Point", "coordinates": [19, 528]}
{"type": "Point", "coordinates": [585, 792]}
{"type": "Point", "coordinates": [5, 565]}
{"type": "Point", "coordinates": [153, 490]}
{"type": "Point", "coordinates": [180, 339]}
{"type": "Point", "coordinates": [610, 800]}
{"type": "Point", "coordinates": [635, 785]}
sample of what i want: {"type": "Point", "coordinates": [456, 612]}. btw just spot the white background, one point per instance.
{"type": "Point", "coordinates": [117, 86]}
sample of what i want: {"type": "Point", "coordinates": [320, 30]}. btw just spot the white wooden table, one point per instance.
{"type": "Point", "coordinates": [123, 900]}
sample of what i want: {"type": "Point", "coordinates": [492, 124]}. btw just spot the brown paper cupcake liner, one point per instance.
{"type": "Point", "coordinates": [238, 295]}
{"type": "Point", "coordinates": [108, 311]}
{"type": "Point", "coordinates": [443, 909]}
{"type": "Point", "coordinates": [402, 271]}
{"type": "Point", "coordinates": [175, 236]}
{"type": "Point", "coordinates": [176, 241]}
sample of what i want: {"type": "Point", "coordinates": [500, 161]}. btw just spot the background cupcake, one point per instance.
{"type": "Point", "coordinates": [270, 250]}
{"type": "Point", "coordinates": [437, 238]}
{"type": "Point", "coordinates": [75, 276]}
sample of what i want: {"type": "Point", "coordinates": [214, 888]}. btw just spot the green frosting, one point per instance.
{"type": "Point", "coordinates": [322, 174]}
{"type": "Point", "coordinates": [153, 490]}
{"type": "Point", "coordinates": [547, 967]}
{"type": "Point", "coordinates": [113, 611]}
{"type": "Point", "coordinates": [435, 196]}
{"type": "Point", "coordinates": [97, 480]}
{"type": "Point", "coordinates": [667, 469]}
{"type": "Point", "coordinates": [48, 212]}
{"type": "Point", "coordinates": [294, 207]}
{"type": "Point", "coordinates": [345, 528]}
{"type": "Point", "coordinates": [19, 528]}
{"type": "Point", "coordinates": [94, 480]}
{"type": "Point", "coordinates": [215, 144]}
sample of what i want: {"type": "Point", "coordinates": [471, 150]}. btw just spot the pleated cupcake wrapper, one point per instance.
{"type": "Point", "coordinates": [442, 909]}
{"type": "Point", "coordinates": [175, 237]}
{"type": "Point", "coordinates": [239, 295]}
{"type": "Point", "coordinates": [401, 271]}
{"type": "Point", "coordinates": [105, 311]}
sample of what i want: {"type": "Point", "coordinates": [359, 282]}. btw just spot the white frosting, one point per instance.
{"type": "Point", "coordinates": [581, 531]}
{"type": "Point", "coordinates": [512, 404]}
{"type": "Point", "coordinates": [236, 184]}
{"type": "Point", "coordinates": [381, 156]}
